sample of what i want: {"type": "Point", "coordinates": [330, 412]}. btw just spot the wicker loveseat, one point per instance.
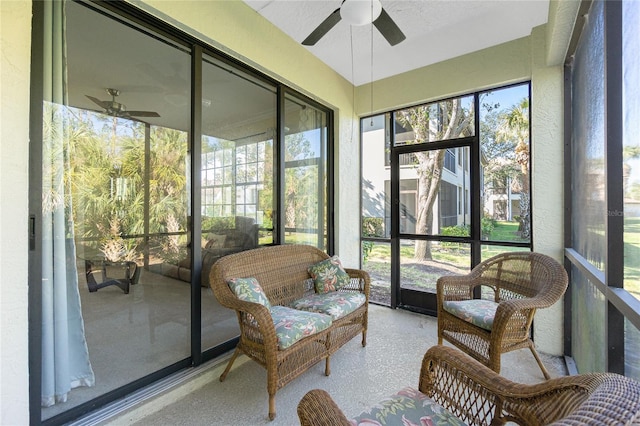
{"type": "Point", "coordinates": [282, 273]}
{"type": "Point", "coordinates": [455, 388]}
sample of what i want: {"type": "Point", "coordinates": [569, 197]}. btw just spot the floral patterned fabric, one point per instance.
{"type": "Point", "coordinates": [336, 304]}
{"type": "Point", "coordinates": [478, 312]}
{"type": "Point", "coordinates": [329, 275]}
{"type": "Point", "coordinates": [249, 290]}
{"type": "Point", "coordinates": [409, 407]}
{"type": "Point", "coordinates": [292, 324]}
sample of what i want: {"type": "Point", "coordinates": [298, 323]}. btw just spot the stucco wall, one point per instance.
{"type": "Point", "coordinates": [503, 64]}
{"type": "Point", "coordinates": [547, 191]}
{"type": "Point", "coordinates": [15, 46]}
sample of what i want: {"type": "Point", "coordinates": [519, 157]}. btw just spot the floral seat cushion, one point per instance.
{"type": "Point", "coordinates": [406, 408]}
{"type": "Point", "coordinates": [293, 325]}
{"type": "Point", "coordinates": [478, 312]}
{"type": "Point", "coordinates": [336, 303]}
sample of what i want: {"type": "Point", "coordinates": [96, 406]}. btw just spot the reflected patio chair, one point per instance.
{"type": "Point", "coordinates": [515, 285]}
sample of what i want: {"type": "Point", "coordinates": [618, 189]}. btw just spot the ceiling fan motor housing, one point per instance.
{"type": "Point", "coordinates": [360, 12]}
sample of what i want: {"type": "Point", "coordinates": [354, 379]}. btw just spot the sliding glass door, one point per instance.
{"type": "Point", "coordinates": [305, 173]}
{"type": "Point", "coordinates": [155, 156]}
{"type": "Point", "coordinates": [237, 202]}
{"type": "Point", "coordinates": [115, 203]}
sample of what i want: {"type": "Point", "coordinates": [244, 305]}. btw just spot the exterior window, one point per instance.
{"type": "Point", "coordinates": [434, 151]}
{"type": "Point", "coordinates": [448, 204]}
{"type": "Point", "coordinates": [450, 161]}
{"type": "Point", "coordinates": [505, 165]}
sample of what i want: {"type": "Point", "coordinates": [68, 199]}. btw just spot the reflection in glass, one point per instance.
{"type": "Point", "coordinates": [631, 149]}
{"type": "Point", "coordinates": [238, 122]}
{"type": "Point", "coordinates": [305, 174]}
{"type": "Point", "coordinates": [417, 273]}
{"type": "Point", "coordinates": [126, 166]}
{"type": "Point", "coordinates": [505, 164]}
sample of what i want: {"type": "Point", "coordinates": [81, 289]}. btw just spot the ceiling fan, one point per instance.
{"type": "Point", "coordinates": [117, 109]}
{"type": "Point", "coordinates": [359, 12]}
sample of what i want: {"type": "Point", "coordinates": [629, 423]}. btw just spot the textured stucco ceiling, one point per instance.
{"type": "Point", "coordinates": [436, 30]}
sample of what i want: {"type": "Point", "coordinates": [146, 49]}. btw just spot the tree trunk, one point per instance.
{"type": "Point", "coordinates": [429, 176]}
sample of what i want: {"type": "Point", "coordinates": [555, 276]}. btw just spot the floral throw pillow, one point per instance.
{"type": "Point", "coordinates": [329, 275]}
{"type": "Point", "coordinates": [249, 290]}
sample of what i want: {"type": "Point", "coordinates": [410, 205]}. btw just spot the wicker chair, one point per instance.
{"type": "Point", "coordinates": [519, 283]}
{"type": "Point", "coordinates": [479, 396]}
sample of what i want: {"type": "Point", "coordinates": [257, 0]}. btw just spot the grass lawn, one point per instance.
{"type": "Point", "coordinates": [632, 255]}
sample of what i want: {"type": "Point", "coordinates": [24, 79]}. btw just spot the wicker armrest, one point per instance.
{"type": "Point", "coordinates": [260, 313]}
{"type": "Point", "coordinates": [262, 317]}
{"type": "Point", "coordinates": [363, 278]}
{"type": "Point", "coordinates": [317, 408]}
{"type": "Point", "coordinates": [480, 396]}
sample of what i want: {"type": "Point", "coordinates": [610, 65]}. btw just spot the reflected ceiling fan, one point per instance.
{"type": "Point", "coordinates": [117, 109]}
{"type": "Point", "coordinates": [359, 12]}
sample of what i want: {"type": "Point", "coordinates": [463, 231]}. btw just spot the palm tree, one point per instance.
{"type": "Point", "coordinates": [514, 128]}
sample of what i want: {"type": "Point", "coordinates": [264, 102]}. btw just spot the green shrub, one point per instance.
{"type": "Point", "coordinates": [487, 225]}
{"type": "Point", "coordinates": [367, 246]}
{"type": "Point", "coordinates": [216, 224]}
{"type": "Point", "coordinates": [456, 231]}
{"type": "Point", "coordinates": [373, 227]}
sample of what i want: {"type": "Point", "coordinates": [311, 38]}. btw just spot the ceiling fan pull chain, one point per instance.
{"type": "Point", "coordinates": [371, 28]}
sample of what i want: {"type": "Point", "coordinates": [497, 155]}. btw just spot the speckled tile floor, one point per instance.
{"type": "Point", "coordinates": [396, 342]}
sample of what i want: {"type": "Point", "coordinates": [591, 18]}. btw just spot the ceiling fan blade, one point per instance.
{"type": "Point", "coordinates": [388, 28]}
{"type": "Point", "coordinates": [143, 114]}
{"type": "Point", "coordinates": [103, 104]}
{"type": "Point", "coordinates": [323, 28]}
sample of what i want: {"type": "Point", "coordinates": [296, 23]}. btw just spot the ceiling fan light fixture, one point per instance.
{"type": "Point", "coordinates": [360, 12]}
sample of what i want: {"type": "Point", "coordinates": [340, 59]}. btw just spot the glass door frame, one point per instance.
{"type": "Point", "coordinates": [423, 301]}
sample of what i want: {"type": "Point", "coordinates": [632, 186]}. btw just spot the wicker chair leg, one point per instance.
{"type": "Point", "coordinates": [327, 366]}
{"type": "Point", "coordinates": [539, 361]}
{"type": "Point", "coordinates": [272, 406]}
{"type": "Point", "coordinates": [364, 338]}
{"type": "Point", "coordinates": [494, 357]}
{"type": "Point", "coordinates": [226, 370]}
